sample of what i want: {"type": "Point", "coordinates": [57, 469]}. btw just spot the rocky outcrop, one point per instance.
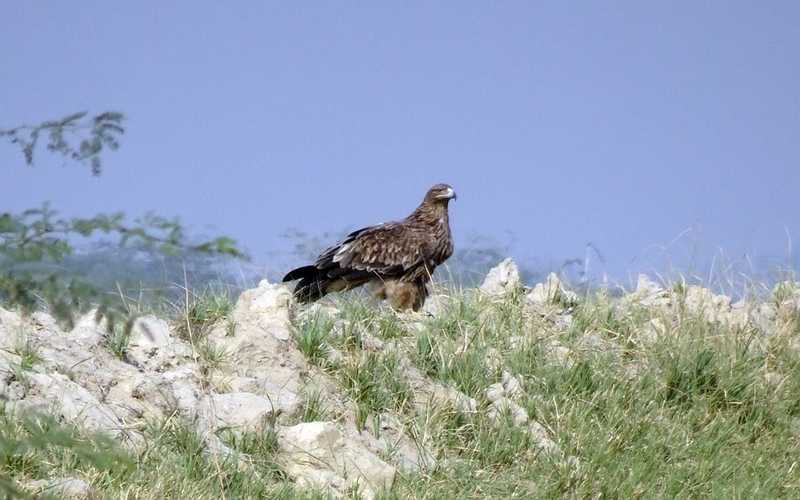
{"type": "Point", "coordinates": [259, 384]}
{"type": "Point", "coordinates": [243, 410]}
{"type": "Point", "coordinates": [502, 279]}
{"type": "Point", "coordinates": [699, 302]}
{"type": "Point", "coordinates": [551, 293]}
{"type": "Point", "coordinates": [318, 454]}
{"type": "Point", "coordinates": [266, 308]}
{"type": "Point", "coordinates": [260, 379]}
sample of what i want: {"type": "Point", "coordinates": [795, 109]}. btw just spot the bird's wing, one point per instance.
{"type": "Point", "coordinates": [390, 248]}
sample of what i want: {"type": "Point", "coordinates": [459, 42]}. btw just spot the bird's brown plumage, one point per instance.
{"type": "Point", "coordinates": [397, 258]}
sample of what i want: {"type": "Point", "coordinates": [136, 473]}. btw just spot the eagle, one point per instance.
{"type": "Point", "coordinates": [396, 258]}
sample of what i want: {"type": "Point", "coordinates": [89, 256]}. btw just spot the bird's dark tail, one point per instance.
{"type": "Point", "coordinates": [315, 283]}
{"type": "Point", "coordinates": [312, 283]}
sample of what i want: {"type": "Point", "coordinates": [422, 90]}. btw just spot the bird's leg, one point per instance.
{"type": "Point", "coordinates": [378, 289]}
{"type": "Point", "coordinates": [403, 296]}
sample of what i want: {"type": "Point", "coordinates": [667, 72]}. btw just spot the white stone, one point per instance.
{"type": "Point", "coordinates": [435, 304]}
{"type": "Point", "coordinates": [551, 292]}
{"type": "Point", "coordinates": [494, 360]}
{"type": "Point", "coordinates": [502, 278]}
{"type": "Point", "coordinates": [646, 287]}
{"type": "Point", "coordinates": [153, 346]}
{"type": "Point", "coordinates": [56, 394]}
{"type": "Point", "coordinates": [243, 410]}
{"type": "Point", "coordinates": [150, 331]}
{"type": "Point", "coordinates": [316, 454]}
{"type": "Point", "coordinates": [67, 487]}
{"type": "Point", "coordinates": [495, 392]}
{"type": "Point", "coordinates": [462, 402]}
{"type": "Point", "coordinates": [702, 302]}
{"type": "Point", "coordinates": [11, 328]}
{"type": "Point", "coordinates": [541, 438]}
{"type": "Point", "coordinates": [651, 331]}
{"type": "Point", "coordinates": [558, 354]}
{"type": "Point", "coordinates": [371, 343]}
{"type": "Point", "coordinates": [511, 384]}
{"type": "Point", "coordinates": [87, 330]}
{"type": "Point", "coordinates": [267, 307]}
{"type": "Point", "coordinates": [648, 293]}
{"type": "Point", "coordinates": [562, 322]}
{"type": "Point", "coordinates": [504, 405]}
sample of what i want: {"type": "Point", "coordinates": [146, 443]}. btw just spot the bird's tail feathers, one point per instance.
{"type": "Point", "coordinates": [310, 290]}
{"type": "Point", "coordinates": [311, 286]}
{"type": "Point", "coordinates": [301, 272]}
{"type": "Point", "coordinates": [316, 283]}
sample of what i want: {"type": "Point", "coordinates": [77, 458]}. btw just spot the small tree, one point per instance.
{"type": "Point", "coordinates": [40, 236]}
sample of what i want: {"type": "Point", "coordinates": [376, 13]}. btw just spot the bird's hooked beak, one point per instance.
{"type": "Point", "coordinates": [448, 195]}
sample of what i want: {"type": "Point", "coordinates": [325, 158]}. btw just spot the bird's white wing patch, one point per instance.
{"type": "Point", "coordinates": [340, 254]}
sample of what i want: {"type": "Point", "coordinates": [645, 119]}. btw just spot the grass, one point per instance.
{"type": "Point", "coordinates": [38, 447]}
{"type": "Point", "coordinates": [389, 326]}
{"type": "Point", "coordinates": [118, 338]}
{"type": "Point", "coordinates": [374, 382]}
{"type": "Point", "coordinates": [313, 409]}
{"type": "Point", "coordinates": [212, 357]}
{"type": "Point", "coordinates": [260, 450]}
{"type": "Point", "coordinates": [197, 315]}
{"type": "Point", "coordinates": [429, 356]}
{"type": "Point", "coordinates": [461, 317]}
{"type": "Point", "coordinates": [175, 462]}
{"type": "Point", "coordinates": [312, 336]}
{"type": "Point", "coordinates": [27, 353]}
{"type": "Point", "coordinates": [701, 410]}
{"type": "Point", "coordinates": [200, 311]}
{"type": "Point", "coordinates": [697, 419]}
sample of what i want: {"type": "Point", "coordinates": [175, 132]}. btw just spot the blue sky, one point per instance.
{"type": "Point", "coordinates": [624, 124]}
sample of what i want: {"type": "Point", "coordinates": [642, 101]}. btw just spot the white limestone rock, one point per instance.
{"type": "Point", "coordinates": [316, 454]}
{"type": "Point", "coordinates": [502, 279]}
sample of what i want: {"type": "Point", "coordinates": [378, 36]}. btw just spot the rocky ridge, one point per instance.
{"type": "Point", "coordinates": [265, 379]}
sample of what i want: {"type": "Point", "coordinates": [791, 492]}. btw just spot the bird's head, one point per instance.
{"type": "Point", "coordinates": [440, 193]}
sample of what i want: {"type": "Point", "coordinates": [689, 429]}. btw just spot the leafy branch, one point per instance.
{"type": "Point", "coordinates": [40, 236]}
{"type": "Point", "coordinates": [33, 241]}
{"type": "Point", "coordinates": [74, 137]}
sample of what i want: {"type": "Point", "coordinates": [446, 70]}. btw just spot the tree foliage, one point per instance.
{"type": "Point", "coordinates": [34, 242]}
{"type": "Point", "coordinates": [74, 137]}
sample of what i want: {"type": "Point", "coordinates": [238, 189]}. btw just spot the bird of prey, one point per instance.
{"type": "Point", "coordinates": [396, 259]}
